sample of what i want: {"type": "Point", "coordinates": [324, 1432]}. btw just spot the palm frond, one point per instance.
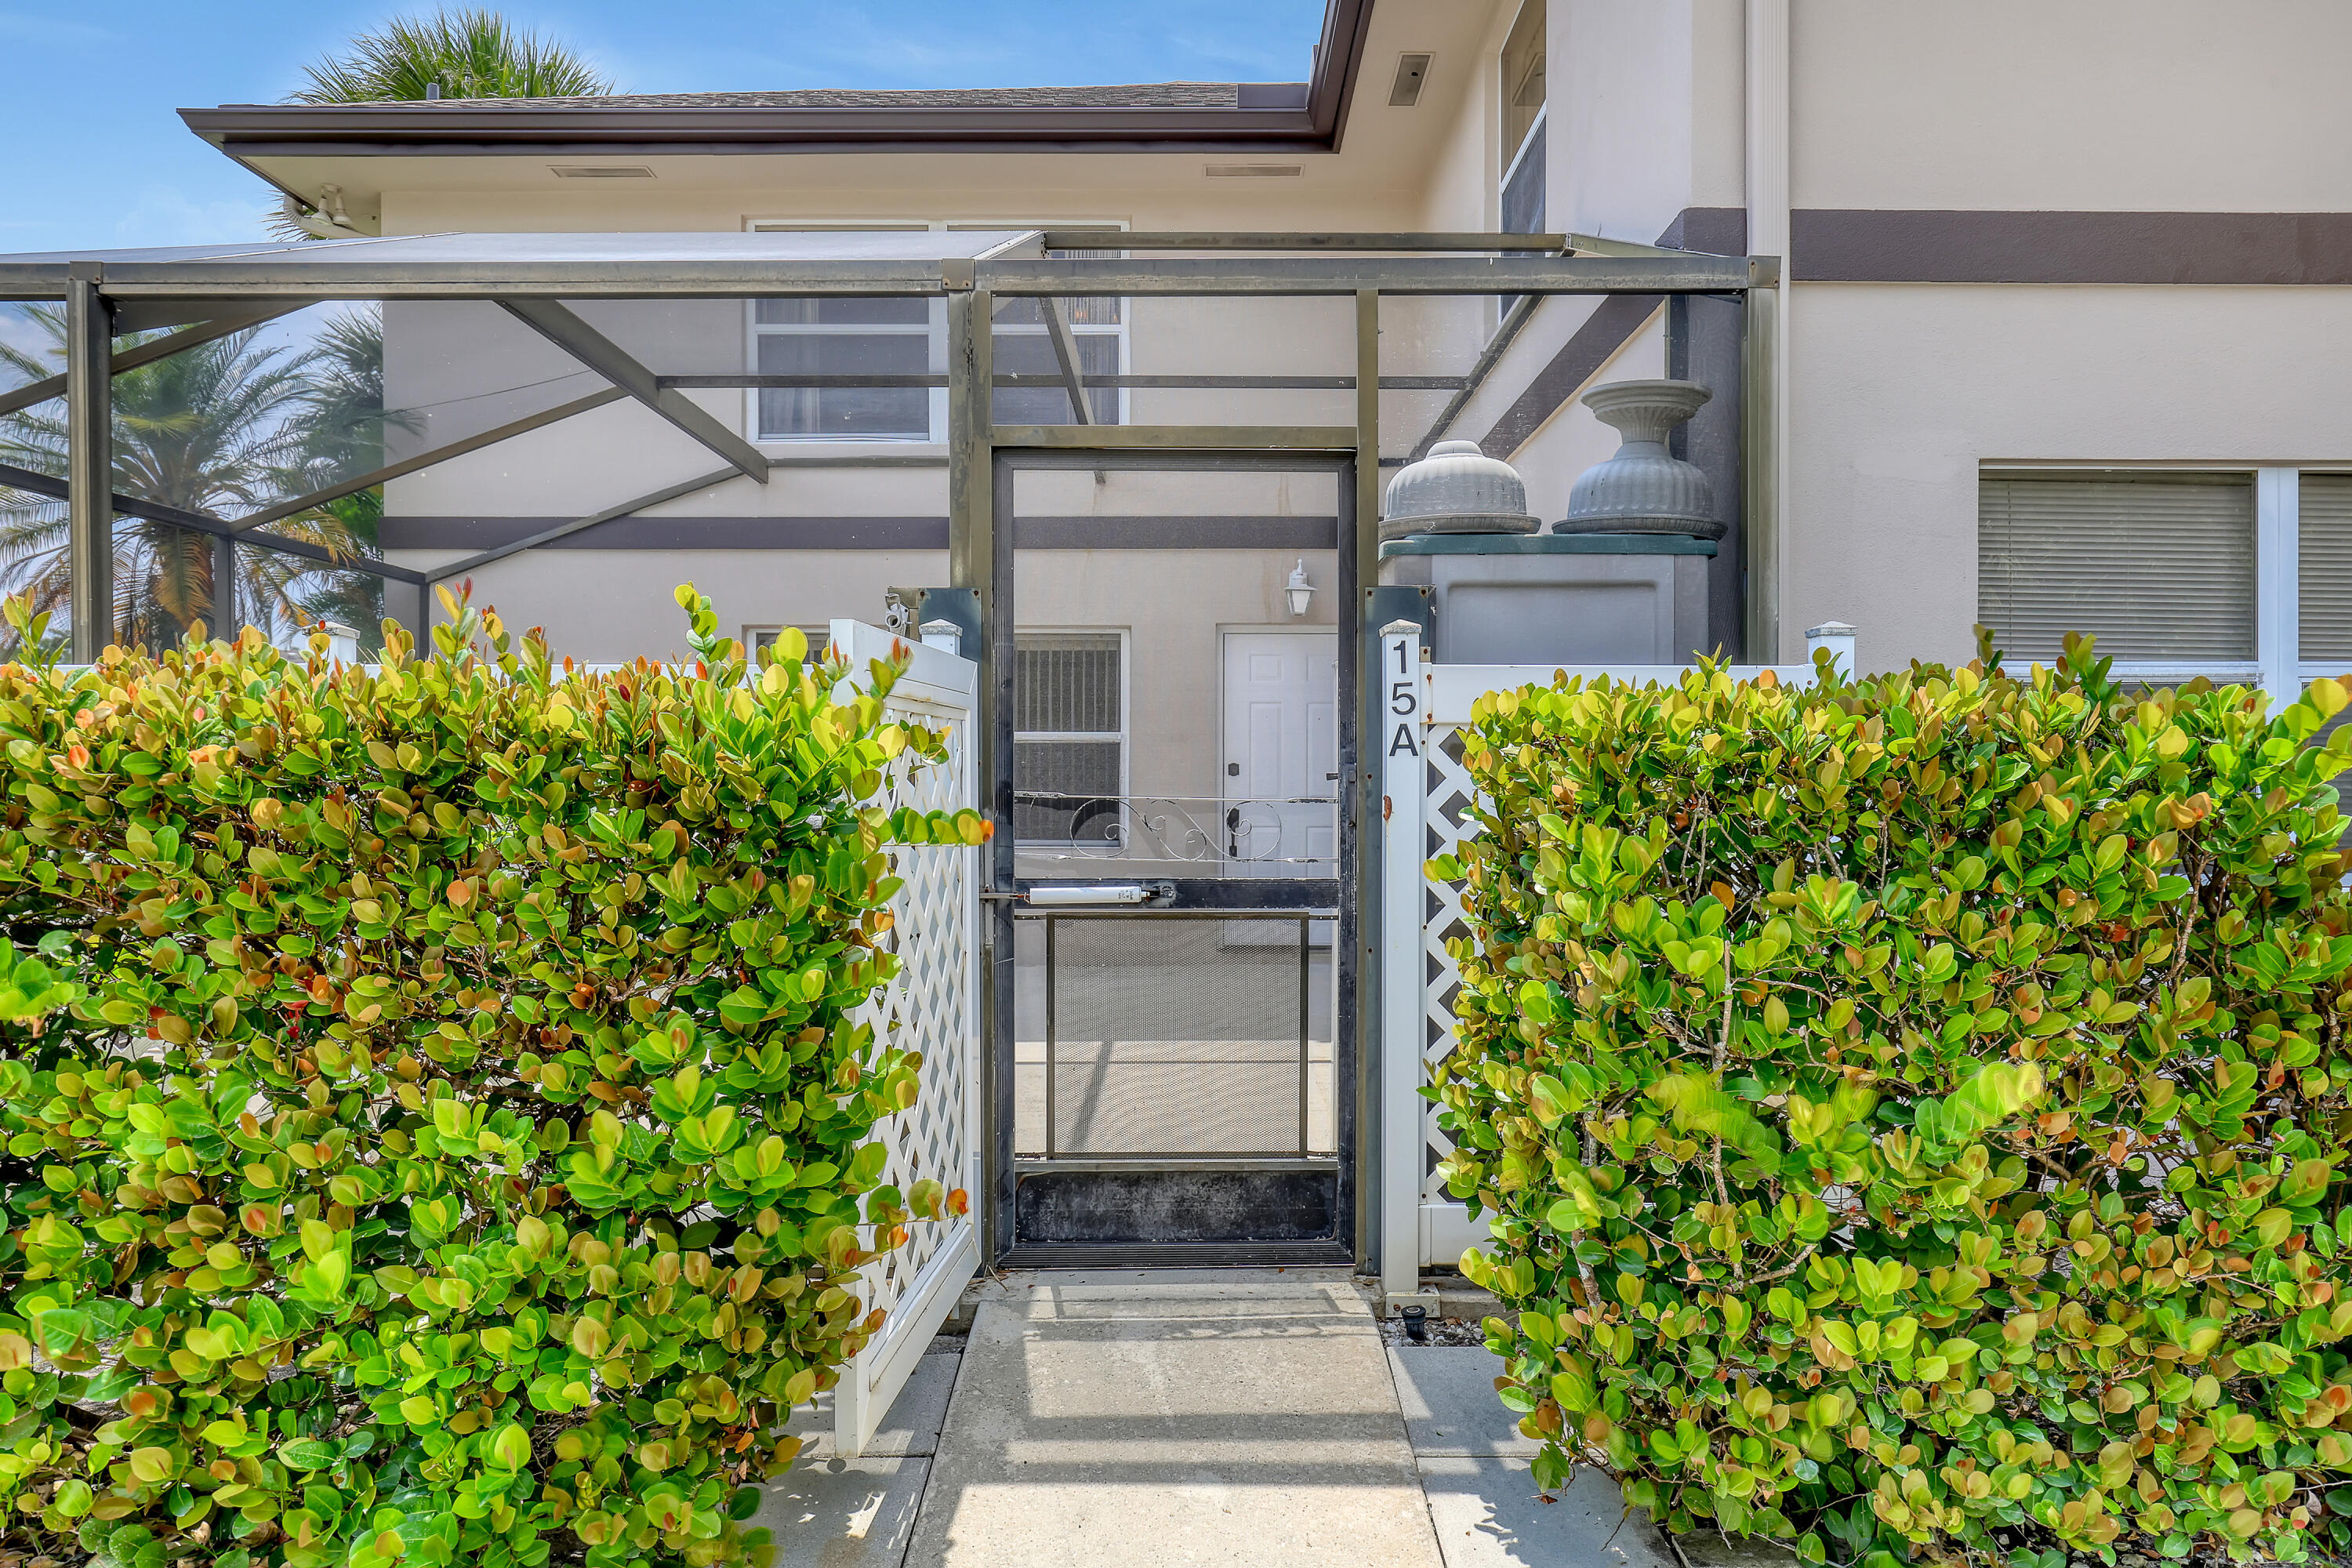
{"type": "Point", "coordinates": [468, 52]}
{"type": "Point", "coordinates": [225, 428]}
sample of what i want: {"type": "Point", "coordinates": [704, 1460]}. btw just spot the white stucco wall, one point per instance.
{"type": "Point", "coordinates": [1901, 391]}
{"type": "Point", "coordinates": [2108, 105]}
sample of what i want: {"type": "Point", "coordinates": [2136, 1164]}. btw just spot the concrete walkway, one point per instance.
{"type": "Point", "coordinates": [1202, 1417]}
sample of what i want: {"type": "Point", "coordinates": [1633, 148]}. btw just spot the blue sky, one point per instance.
{"type": "Point", "coordinates": [96, 157]}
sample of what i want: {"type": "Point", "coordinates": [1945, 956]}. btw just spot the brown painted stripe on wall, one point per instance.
{"type": "Point", "coordinates": [1832, 245]}
{"type": "Point", "coordinates": [1616, 319]}
{"type": "Point", "coordinates": [864, 532]}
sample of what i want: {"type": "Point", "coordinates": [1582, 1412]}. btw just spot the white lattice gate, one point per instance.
{"type": "Point", "coordinates": [1427, 799]}
{"type": "Point", "coordinates": [932, 1005]}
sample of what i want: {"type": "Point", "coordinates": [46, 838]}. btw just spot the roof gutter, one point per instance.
{"type": "Point", "coordinates": [245, 131]}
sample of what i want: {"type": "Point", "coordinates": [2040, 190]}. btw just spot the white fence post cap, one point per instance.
{"type": "Point", "coordinates": [1830, 629]}
{"type": "Point", "coordinates": [1401, 628]}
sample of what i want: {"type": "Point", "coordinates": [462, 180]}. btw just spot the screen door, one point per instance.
{"type": "Point", "coordinates": [1173, 1028]}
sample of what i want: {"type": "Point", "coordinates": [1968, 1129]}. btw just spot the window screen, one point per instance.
{"type": "Point", "coordinates": [2157, 567]}
{"type": "Point", "coordinates": [2324, 559]}
{"type": "Point", "coordinates": [1523, 80]}
{"type": "Point", "coordinates": [1069, 736]}
{"type": "Point", "coordinates": [845, 337]}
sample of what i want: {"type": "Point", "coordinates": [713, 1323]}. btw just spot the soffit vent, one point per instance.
{"type": "Point", "coordinates": [1251, 170]}
{"type": "Point", "coordinates": [600, 171]}
{"type": "Point", "coordinates": [1413, 70]}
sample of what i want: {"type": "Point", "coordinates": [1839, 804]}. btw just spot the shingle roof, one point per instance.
{"type": "Point", "coordinates": [1140, 95]}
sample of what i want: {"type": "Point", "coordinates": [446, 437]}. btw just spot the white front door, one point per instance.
{"type": "Point", "coordinates": [1282, 754]}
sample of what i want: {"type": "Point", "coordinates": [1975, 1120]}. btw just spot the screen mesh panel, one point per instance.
{"type": "Point", "coordinates": [2156, 567]}
{"type": "Point", "coordinates": [2323, 560]}
{"type": "Point", "coordinates": [1174, 1037]}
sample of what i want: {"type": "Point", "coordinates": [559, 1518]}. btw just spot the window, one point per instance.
{"type": "Point", "coordinates": [906, 340]}
{"type": "Point", "coordinates": [1522, 173]}
{"type": "Point", "coordinates": [1024, 346]}
{"type": "Point", "coordinates": [2159, 567]}
{"type": "Point", "coordinates": [1523, 186]}
{"type": "Point", "coordinates": [2242, 577]}
{"type": "Point", "coordinates": [757, 639]}
{"type": "Point", "coordinates": [2323, 562]}
{"type": "Point", "coordinates": [1069, 736]}
{"type": "Point", "coordinates": [845, 337]}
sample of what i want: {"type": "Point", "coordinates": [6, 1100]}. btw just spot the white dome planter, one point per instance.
{"type": "Point", "coordinates": [1457, 488]}
{"type": "Point", "coordinates": [1642, 490]}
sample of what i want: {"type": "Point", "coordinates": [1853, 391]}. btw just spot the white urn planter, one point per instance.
{"type": "Point", "coordinates": [1643, 489]}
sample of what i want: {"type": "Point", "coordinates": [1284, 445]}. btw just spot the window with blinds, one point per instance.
{"type": "Point", "coordinates": [2159, 567]}
{"type": "Point", "coordinates": [1069, 736]}
{"type": "Point", "coordinates": [2323, 562]}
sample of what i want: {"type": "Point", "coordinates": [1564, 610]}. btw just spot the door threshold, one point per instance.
{"type": "Point", "coordinates": [1038, 1164]}
{"type": "Point", "coordinates": [1178, 1255]}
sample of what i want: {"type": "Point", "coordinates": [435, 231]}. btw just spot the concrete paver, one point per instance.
{"type": "Point", "coordinates": [910, 1428]}
{"type": "Point", "coordinates": [1489, 1515]}
{"type": "Point", "coordinates": [1482, 1497]}
{"type": "Point", "coordinates": [1193, 1417]}
{"type": "Point", "coordinates": [843, 1513]}
{"type": "Point", "coordinates": [1447, 1395]}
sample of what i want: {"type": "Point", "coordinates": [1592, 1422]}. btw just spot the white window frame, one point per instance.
{"type": "Point", "coordinates": [2305, 670]}
{"type": "Point", "coordinates": [818, 636]}
{"type": "Point", "coordinates": [2278, 666]}
{"type": "Point", "coordinates": [935, 330]}
{"type": "Point", "coordinates": [1123, 735]}
{"type": "Point", "coordinates": [1535, 134]}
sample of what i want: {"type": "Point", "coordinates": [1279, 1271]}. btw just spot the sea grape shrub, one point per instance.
{"type": "Point", "coordinates": [458, 1147]}
{"type": "Point", "coordinates": [1912, 1112]}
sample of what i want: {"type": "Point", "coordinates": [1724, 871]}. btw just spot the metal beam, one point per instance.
{"type": "Point", "coordinates": [224, 281]}
{"type": "Point", "coordinates": [1365, 435]}
{"type": "Point", "coordinates": [1178, 437]}
{"type": "Point", "coordinates": [1522, 311]}
{"type": "Point", "coordinates": [89, 462]}
{"type": "Point", "coordinates": [1066, 354]}
{"type": "Point", "coordinates": [826, 379]}
{"type": "Point", "coordinates": [131, 358]}
{"type": "Point", "coordinates": [1760, 409]}
{"type": "Point", "coordinates": [1672, 273]}
{"type": "Point", "coordinates": [383, 275]}
{"type": "Point", "coordinates": [1602, 245]}
{"type": "Point", "coordinates": [224, 605]}
{"type": "Point", "coordinates": [40, 484]}
{"type": "Point", "coordinates": [600, 353]}
{"type": "Point", "coordinates": [548, 535]}
{"type": "Point", "coordinates": [425, 459]}
{"type": "Point", "coordinates": [1401, 240]}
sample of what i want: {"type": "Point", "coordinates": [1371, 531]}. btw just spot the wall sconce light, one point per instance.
{"type": "Point", "coordinates": [1298, 590]}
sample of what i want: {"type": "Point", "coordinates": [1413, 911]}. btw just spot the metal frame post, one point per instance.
{"type": "Point", "coordinates": [1362, 549]}
{"type": "Point", "coordinates": [89, 461]}
{"type": "Point", "coordinates": [224, 605]}
{"type": "Point", "coordinates": [1759, 411]}
{"type": "Point", "coordinates": [1404, 785]}
{"type": "Point", "coordinates": [978, 562]}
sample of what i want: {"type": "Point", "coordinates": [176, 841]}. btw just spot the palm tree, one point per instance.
{"type": "Point", "coordinates": [471, 52]}
{"type": "Point", "coordinates": [467, 53]}
{"type": "Point", "coordinates": [224, 428]}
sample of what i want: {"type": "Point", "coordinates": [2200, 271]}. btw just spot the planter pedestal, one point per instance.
{"type": "Point", "coordinates": [1555, 598]}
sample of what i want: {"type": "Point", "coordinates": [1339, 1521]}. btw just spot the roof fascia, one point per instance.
{"type": "Point", "coordinates": [254, 131]}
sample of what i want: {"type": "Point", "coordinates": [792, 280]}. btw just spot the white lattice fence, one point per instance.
{"type": "Point", "coordinates": [932, 1006]}
{"type": "Point", "coordinates": [1428, 797]}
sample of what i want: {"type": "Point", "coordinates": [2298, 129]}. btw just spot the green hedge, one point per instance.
{"type": "Point", "coordinates": [457, 1150]}
{"type": "Point", "coordinates": [1912, 1112]}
